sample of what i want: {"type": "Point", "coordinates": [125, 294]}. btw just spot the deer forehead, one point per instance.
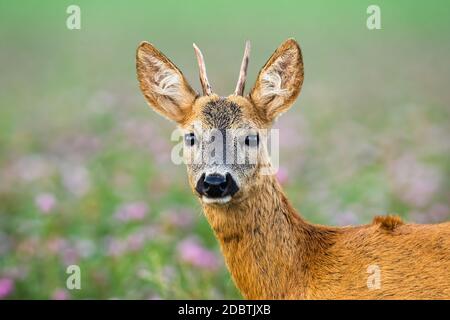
{"type": "Point", "coordinates": [214, 112]}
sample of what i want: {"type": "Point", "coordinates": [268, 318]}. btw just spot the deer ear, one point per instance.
{"type": "Point", "coordinates": [279, 81]}
{"type": "Point", "coordinates": [163, 84]}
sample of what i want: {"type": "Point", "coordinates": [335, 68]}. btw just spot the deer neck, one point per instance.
{"type": "Point", "coordinates": [263, 241]}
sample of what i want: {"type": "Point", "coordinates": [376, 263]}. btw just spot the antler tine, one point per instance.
{"type": "Point", "coordinates": [203, 78]}
{"type": "Point", "coordinates": [243, 72]}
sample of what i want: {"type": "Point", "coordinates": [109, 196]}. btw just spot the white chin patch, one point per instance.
{"type": "Point", "coordinates": [216, 200]}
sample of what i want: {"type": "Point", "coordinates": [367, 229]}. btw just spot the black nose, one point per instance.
{"type": "Point", "coordinates": [216, 185]}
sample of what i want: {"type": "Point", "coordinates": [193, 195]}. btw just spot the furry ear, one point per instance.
{"type": "Point", "coordinates": [279, 81]}
{"type": "Point", "coordinates": [163, 84]}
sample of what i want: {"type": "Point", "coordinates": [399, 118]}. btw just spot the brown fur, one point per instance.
{"type": "Point", "coordinates": [271, 252]}
{"type": "Point", "coordinates": [388, 223]}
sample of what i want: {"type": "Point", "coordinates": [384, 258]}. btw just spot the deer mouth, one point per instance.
{"type": "Point", "coordinates": [222, 200]}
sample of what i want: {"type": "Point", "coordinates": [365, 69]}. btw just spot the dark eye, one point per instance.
{"type": "Point", "coordinates": [252, 140]}
{"type": "Point", "coordinates": [189, 139]}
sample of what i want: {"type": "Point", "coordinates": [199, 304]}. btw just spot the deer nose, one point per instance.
{"type": "Point", "coordinates": [216, 185]}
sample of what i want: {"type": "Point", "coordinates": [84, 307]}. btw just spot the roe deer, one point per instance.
{"type": "Point", "coordinates": [270, 251]}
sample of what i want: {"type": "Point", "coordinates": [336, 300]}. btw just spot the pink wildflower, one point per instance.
{"type": "Point", "coordinates": [192, 252]}
{"type": "Point", "coordinates": [45, 202]}
{"type": "Point", "coordinates": [282, 175]}
{"type": "Point", "coordinates": [6, 287]}
{"type": "Point", "coordinates": [133, 211]}
{"type": "Point", "coordinates": [60, 294]}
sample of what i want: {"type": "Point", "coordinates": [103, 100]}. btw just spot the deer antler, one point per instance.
{"type": "Point", "coordinates": [243, 72]}
{"type": "Point", "coordinates": [201, 66]}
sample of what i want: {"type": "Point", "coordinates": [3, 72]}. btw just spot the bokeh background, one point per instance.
{"type": "Point", "coordinates": [85, 170]}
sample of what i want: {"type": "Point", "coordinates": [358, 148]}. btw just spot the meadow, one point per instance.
{"type": "Point", "coordinates": [85, 170]}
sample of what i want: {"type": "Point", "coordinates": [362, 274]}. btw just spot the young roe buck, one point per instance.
{"type": "Point", "coordinates": [271, 252]}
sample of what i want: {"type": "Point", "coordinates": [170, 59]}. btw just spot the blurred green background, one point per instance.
{"type": "Point", "coordinates": [85, 170]}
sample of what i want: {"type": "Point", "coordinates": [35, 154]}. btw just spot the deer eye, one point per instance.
{"type": "Point", "coordinates": [189, 139]}
{"type": "Point", "coordinates": [252, 140]}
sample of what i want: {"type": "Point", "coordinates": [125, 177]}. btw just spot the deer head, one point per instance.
{"type": "Point", "coordinates": [215, 127]}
